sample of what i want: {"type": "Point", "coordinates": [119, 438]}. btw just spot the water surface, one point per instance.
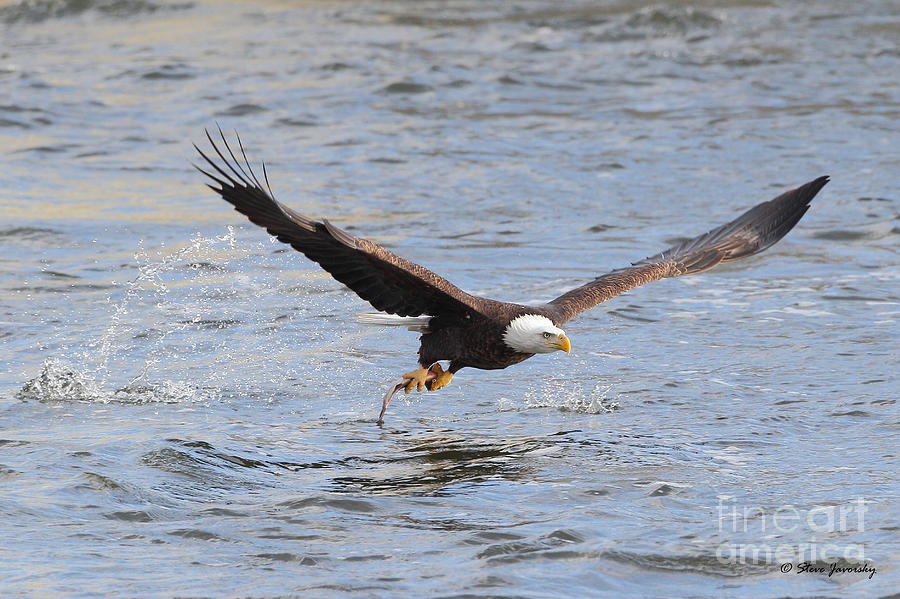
{"type": "Point", "coordinates": [188, 409]}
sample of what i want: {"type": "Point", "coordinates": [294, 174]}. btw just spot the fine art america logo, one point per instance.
{"type": "Point", "coordinates": [824, 558]}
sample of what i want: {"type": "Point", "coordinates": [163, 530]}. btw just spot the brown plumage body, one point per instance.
{"type": "Point", "coordinates": [474, 341]}
{"type": "Point", "coordinates": [466, 330]}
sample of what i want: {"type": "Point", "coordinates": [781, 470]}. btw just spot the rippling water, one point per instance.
{"type": "Point", "coordinates": [188, 409]}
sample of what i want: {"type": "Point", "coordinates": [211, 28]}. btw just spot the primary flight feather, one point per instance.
{"type": "Point", "coordinates": [463, 329]}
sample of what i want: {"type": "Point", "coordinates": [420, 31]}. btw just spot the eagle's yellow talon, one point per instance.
{"type": "Point", "coordinates": [441, 377]}
{"type": "Point", "coordinates": [416, 379]}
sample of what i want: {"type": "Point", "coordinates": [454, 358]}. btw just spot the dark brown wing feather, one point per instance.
{"type": "Point", "coordinates": [749, 234]}
{"type": "Point", "coordinates": [380, 277]}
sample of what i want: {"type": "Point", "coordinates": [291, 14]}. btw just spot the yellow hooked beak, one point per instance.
{"type": "Point", "coordinates": [561, 342]}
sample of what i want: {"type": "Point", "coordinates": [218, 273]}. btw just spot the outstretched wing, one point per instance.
{"type": "Point", "coordinates": [749, 234]}
{"type": "Point", "coordinates": [380, 277]}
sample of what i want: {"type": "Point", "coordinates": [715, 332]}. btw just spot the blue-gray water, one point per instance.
{"type": "Point", "coordinates": [188, 409]}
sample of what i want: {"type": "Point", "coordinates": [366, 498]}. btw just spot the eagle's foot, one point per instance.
{"type": "Point", "coordinates": [416, 379]}
{"type": "Point", "coordinates": [441, 377]}
{"type": "Point", "coordinates": [424, 378]}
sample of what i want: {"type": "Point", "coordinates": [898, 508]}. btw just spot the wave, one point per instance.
{"type": "Point", "coordinates": [38, 11]}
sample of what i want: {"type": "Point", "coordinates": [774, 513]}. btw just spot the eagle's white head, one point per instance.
{"type": "Point", "coordinates": [534, 334]}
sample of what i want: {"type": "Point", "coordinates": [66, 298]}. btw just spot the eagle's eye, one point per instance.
{"type": "Point", "coordinates": [547, 335]}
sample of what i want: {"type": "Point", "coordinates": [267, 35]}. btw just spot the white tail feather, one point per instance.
{"type": "Point", "coordinates": [413, 323]}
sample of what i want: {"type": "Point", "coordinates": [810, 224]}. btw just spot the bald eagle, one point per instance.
{"type": "Point", "coordinates": [463, 329]}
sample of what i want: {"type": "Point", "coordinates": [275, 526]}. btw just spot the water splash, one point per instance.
{"type": "Point", "coordinates": [152, 328]}
{"type": "Point", "coordinates": [60, 382]}
{"type": "Point", "coordinates": [565, 396]}
{"type": "Point", "coordinates": [150, 278]}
